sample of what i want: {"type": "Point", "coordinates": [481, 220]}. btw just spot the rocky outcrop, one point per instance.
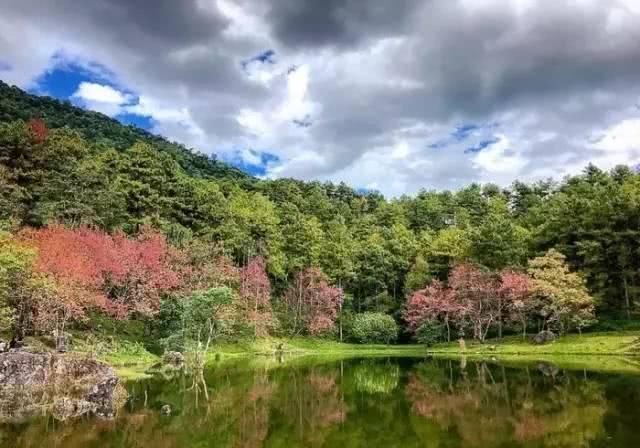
{"type": "Point", "coordinates": [64, 386]}
{"type": "Point", "coordinates": [544, 337]}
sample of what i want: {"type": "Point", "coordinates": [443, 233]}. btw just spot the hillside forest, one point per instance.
{"type": "Point", "coordinates": [102, 222]}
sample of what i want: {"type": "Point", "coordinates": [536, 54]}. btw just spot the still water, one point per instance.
{"type": "Point", "coordinates": [380, 402]}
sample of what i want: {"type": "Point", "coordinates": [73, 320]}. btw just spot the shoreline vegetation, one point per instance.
{"type": "Point", "coordinates": [613, 352]}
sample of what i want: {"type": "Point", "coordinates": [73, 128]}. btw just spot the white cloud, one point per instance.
{"type": "Point", "coordinates": [90, 91]}
{"type": "Point", "coordinates": [102, 98]}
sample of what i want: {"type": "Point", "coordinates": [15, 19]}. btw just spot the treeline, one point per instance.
{"type": "Point", "coordinates": [377, 251]}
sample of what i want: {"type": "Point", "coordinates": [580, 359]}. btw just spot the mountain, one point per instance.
{"type": "Point", "coordinates": [16, 104]}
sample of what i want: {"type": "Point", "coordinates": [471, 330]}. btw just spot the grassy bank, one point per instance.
{"type": "Point", "coordinates": [614, 352]}
{"type": "Point", "coordinates": [625, 343]}
{"type": "Point", "coordinates": [312, 346]}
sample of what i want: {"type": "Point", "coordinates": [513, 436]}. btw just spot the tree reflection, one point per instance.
{"type": "Point", "coordinates": [356, 403]}
{"type": "Point", "coordinates": [487, 407]}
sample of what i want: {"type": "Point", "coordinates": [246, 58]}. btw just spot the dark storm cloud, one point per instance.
{"type": "Point", "coordinates": [337, 22]}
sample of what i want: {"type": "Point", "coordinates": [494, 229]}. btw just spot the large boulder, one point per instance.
{"type": "Point", "coordinates": [65, 386]}
{"type": "Point", "coordinates": [544, 337]}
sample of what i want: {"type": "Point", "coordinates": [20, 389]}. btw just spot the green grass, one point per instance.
{"type": "Point", "coordinates": [309, 346]}
{"type": "Point", "coordinates": [593, 344]}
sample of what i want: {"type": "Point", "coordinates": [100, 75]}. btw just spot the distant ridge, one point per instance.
{"type": "Point", "coordinates": [16, 104]}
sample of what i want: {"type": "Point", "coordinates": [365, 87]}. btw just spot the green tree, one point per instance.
{"type": "Point", "coordinates": [418, 276]}
{"type": "Point", "coordinates": [564, 302]}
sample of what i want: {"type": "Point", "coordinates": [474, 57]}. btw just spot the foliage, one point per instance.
{"type": "Point", "coordinates": [96, 197]}
{"type": "Point", "coordinates": [313, 303]}
{"type": "Point", "coordinates": [563, 301]}
{"type": "Point", "coordinates": [255, 296]}
{"type": "Point", "coordinates": [430, 332]}
{"type": "Point", "coordinates": [16, 104]}
{"type": "Point", "coordinates": [374, 328]}
{"type": "Point", "coordinates": [16, 261]}
{"type": "Point", "coordinates": [114, 273]}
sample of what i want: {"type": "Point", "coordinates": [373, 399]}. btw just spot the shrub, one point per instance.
{"type": "Point", "coordinates": [374, 328]}
{"type": "Point", "coordinates": [430, 332]}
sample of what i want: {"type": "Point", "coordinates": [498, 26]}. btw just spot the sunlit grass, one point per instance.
{"type": "Point", "coordinates": [619, 343]}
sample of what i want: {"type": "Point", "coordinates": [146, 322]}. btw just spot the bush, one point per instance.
{"type": "Point", "coordinates": [430, 333]}
{"type": "Point", "coordinates": [374, 328]}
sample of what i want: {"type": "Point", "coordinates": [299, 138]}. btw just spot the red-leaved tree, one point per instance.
{"type": "Point", "coordinates": [435, 302]}
{"type": "Point", "coordinates": [515, 290]}
{"type": "Point", "coordinates": [477, 293]}
{"type": "Point", "coordinates": [255, 295]}
{"type": "Point", "coordinates": [116, 274]}
{"type": "Point", "coordinates": [39, 130]}
{"type": "Point", "coordinates": [312, 302]}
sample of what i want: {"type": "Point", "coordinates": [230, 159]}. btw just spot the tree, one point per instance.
{"type": "Point", "coordinates": [515, 291]}
{"type": "Point", "coordinates": [435, 302]}
{"type": "Point", "coordinates": [418, 275]}
{"type": "Point", "coordinates": [121, 275]}
{"type": "Point", "coordinates": [476, 293]}
{"type": "Point", "coordinates": [564, 302]}
{"type": "Point", "coordinates": [203, 320]}
{"type": "Point", "coordinates": [450, 246]}
{"type": "Point", "coordinates": [498, 241]}
{"type": "Point", "coordinates": [255, 296]}
{"type": "Point", "coordinates": [312, 302]}
{"type": "Point", "coordinates": [16, 264]}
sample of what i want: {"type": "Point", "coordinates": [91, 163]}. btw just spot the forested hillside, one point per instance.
{"type": "Point", "coordinates": [101, 130]}
{"type": "Point", "coordinates": [160, 226]}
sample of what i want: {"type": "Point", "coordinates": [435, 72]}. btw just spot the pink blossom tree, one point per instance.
{"type": "Point", "coordinates": [255, 295]}
{"type": "Point", "coordinates": [515, 290]}
{"type": "Point", "coordinates": [435, 302]}
{"type": "Point", "coordinates": [476, 293]}
{"type": "Point", "coordinates": [312, 302]}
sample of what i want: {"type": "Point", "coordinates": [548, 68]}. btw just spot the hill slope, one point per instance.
{"type": "Point", "coordinates": [16, 104]}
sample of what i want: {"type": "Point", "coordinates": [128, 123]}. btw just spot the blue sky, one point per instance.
{"type": "Point", "coordinates": [63, 80]}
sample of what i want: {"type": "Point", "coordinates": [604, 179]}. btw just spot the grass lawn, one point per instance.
{"type": "Point", "coordinates": [595, 344]}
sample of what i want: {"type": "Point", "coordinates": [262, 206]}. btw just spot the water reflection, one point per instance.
{"type": "Point", "coordinates": [358, 403]}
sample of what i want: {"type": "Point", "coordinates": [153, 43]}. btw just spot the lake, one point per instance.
{"type": "Point", "coordinates": [370, 402]}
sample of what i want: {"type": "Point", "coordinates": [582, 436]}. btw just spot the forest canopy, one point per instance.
{"type": "Point", "coordinates": [299, 257]}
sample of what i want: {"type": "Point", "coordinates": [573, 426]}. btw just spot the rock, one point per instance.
{"type": "Point", "coordinates": [65, 386]}
{"type": "Point", "coordinates": [165, 409]}
{"type": "Point", "coordinates": [544, 337]}
{"type": "Point", "coordinates": [174, 359]}
{"type": "Point", "coordinates": [548, 369]}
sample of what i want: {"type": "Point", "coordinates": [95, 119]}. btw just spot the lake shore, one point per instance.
{"type": "Point", "coordinates": [594, 351]}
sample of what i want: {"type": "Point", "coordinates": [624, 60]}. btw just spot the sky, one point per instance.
{"type": "Point", "coordinates": [395, 96]}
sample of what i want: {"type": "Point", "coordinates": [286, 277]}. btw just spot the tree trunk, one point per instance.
{"type": "Point", "coordinates": [499, 318]}
{"type": "Point", "coordinates": [446, 323]}
{"type": "Point", "coordinates": [626, 297]}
